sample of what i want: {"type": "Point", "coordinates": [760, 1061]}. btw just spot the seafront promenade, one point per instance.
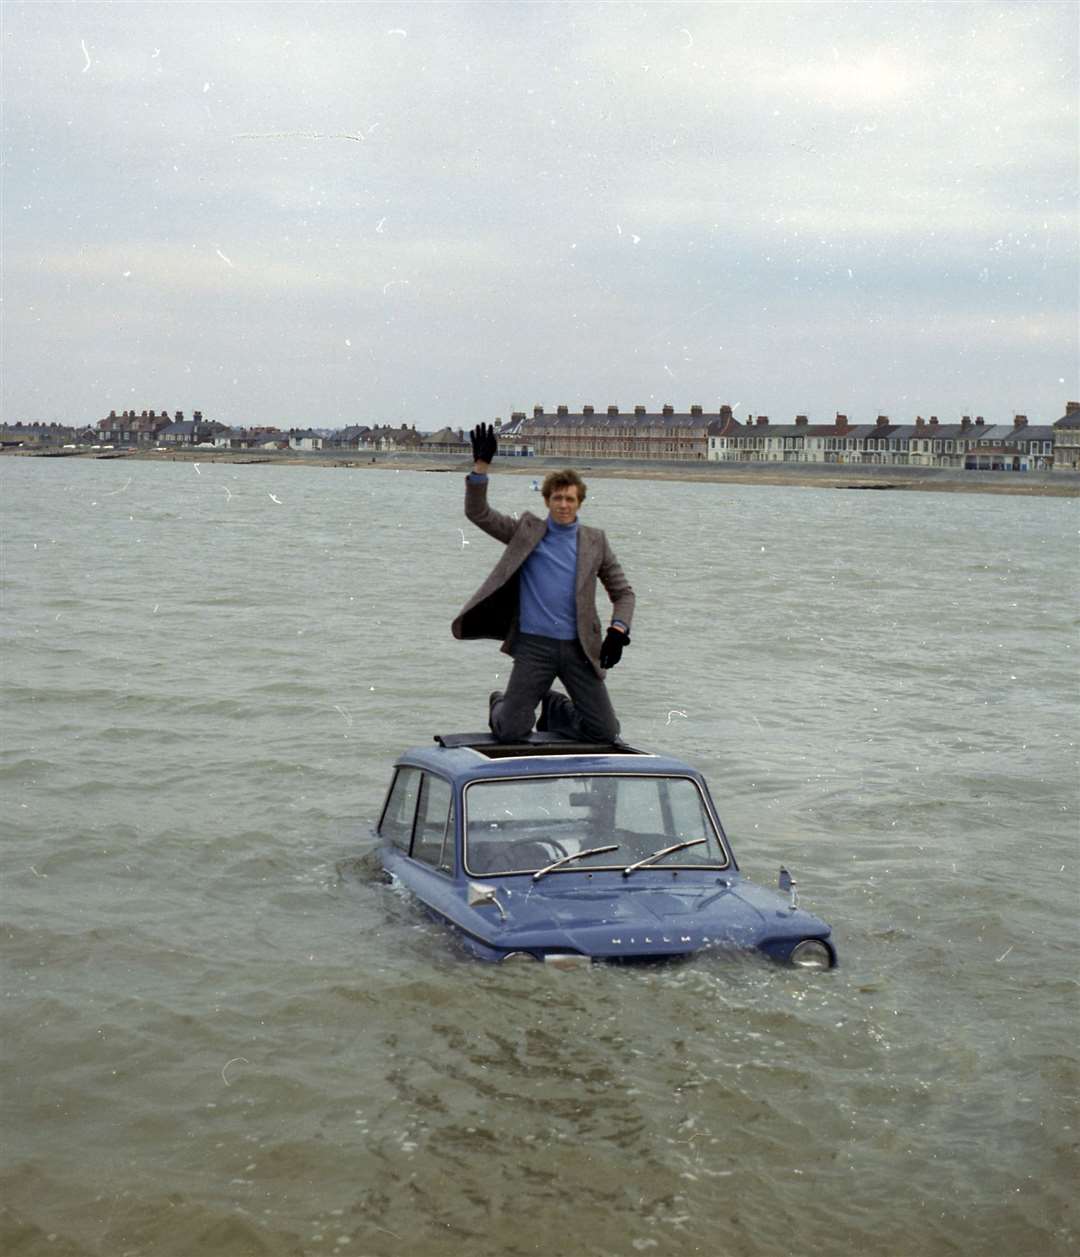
{"type": "Point", "coordinates": [804, 475]}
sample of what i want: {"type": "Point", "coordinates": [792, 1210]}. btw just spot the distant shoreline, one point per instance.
{"type": "Point", "coordinates": [802, 475]}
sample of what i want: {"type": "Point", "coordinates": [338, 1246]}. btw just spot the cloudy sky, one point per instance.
{"type": "Point", "coordinates": [325, 213]}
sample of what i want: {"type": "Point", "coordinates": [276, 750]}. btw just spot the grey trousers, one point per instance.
{"type": "Point", "coordinates": [586, 715]}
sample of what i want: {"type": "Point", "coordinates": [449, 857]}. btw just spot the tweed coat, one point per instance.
{"type": "Point", "coordinates": [493, 610]}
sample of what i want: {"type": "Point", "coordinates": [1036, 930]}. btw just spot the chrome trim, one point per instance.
{"type": "Point", "coordinates": [567, 959]}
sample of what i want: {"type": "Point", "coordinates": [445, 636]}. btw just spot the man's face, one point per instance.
{"type": "Point", "coordinates": [564, 504]}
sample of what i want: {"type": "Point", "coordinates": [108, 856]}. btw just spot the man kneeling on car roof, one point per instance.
{"type": "Point", "coordinates": [540, 602]}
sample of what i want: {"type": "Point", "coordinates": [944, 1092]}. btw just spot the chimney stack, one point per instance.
{"type": "Point", "coordinates": [695, 409]}
{"type": "Point", "coordinates": [587, 410]}
{"type": "Point", "coordinates": [800, 420]}
{"type": "Point", "coordinates": [1020, 421]}
{"type": "Point", "coordinates": [882, 421]}
{"type": "Point", "coordinates": [613, 410]}
{"type": "Point", "coordinates": [537, 411]}
{"type": "Point", "coordinates": [668, 409]}
{"type": "Point", "coordinates": [933, 421]}
{"type": "Point", "coordinates": [841, 420]}
{"type": "Point", "coordinates": [979, 421]}
{"type": "Point", "coordinates": [562, 410]}
{"type": "Point", "coordinates": [639, 410]}
{"type": "Point", "coordinates": [1071, 408]}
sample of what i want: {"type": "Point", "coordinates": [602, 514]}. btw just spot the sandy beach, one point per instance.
{"type": "Point", "coordinates": [802, 475]}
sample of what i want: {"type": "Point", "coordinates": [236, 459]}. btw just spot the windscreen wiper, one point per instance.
{"type": "Point", "coordinates": [578, 855]}
{"type": "Point", "coordinates": [659, 855]}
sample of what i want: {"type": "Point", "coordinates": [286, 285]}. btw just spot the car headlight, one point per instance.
{"type": "Point", "coordinates": [811, 953]}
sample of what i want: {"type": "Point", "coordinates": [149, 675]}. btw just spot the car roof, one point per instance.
{"type": "Point", "coordinates": [468, 756]}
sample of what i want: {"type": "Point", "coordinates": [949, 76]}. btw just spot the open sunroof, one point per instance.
{"type": "Point", "coordinates": [534, 744]}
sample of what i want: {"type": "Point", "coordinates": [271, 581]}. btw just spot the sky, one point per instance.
{"type": "Point", "coordinates": [317, 214]}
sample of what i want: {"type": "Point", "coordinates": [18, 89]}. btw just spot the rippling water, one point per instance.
{"type": "Point", "coordinates": [224, 1036]}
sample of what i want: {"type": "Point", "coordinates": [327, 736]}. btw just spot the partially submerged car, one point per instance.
{"type": "Point", "coordinates": [564, 852]}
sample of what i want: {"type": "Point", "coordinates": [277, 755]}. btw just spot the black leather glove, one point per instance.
{"type": "Point", "coordinates": [484, 444]}
{"type": "Point", "coordinates": [612, 649]}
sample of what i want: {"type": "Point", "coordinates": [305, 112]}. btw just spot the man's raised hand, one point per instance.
{"type": "Point", "coordinates": [484, 444]}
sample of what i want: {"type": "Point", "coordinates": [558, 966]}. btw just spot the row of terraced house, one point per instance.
{"type": "Point", "coordinates": [148, 429]}
{"type": "Point", "coordinates": [970, 444]}
{"type": "Point", "coordinates": [664, 435]}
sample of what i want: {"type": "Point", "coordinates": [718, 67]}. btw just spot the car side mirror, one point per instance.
{"type": "Point", "coordinates": [788, 886]}
{"type": "Point", "coordinates": [480, 895]}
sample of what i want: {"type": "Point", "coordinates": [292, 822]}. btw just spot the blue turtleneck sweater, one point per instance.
{"type": "Point", "coordinates": [547, 593]}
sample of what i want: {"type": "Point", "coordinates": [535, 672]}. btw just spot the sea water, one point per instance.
{"type": "Point", "coordinates": [223, 1034]}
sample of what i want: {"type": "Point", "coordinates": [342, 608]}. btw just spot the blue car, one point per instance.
{"type": "Point", "coordinates": [565, 853]}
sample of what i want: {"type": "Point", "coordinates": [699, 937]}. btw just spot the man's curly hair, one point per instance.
{"type": "Point", "coordinates": [562, 480]}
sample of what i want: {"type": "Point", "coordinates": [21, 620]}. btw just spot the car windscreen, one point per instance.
{"type": "Point", "coordinates": [517, 825]}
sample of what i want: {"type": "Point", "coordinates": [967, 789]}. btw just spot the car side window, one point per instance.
{"type": "Point", "coordinates": [400, 810]}
{"type": "Point", "coordinates": [432, 821]}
